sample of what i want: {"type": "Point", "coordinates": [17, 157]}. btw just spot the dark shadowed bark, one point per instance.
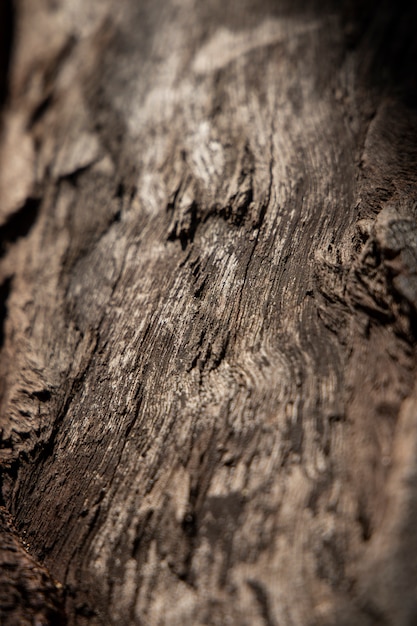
{"type": "Point", "coordinates": [208, 313]}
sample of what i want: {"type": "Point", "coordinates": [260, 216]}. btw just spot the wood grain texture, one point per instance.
{"type": "Point", "coordinates": [28, 594]}
{"type": "Point", "coordinates": [209, 261]}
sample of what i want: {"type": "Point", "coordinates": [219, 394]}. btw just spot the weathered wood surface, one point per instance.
{"type": "Point", "coordinates": [209, 277]}
{"type": "Point", "coordinates": [28, 594]}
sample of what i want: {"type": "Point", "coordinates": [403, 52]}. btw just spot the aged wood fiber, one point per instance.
{"type": "Point", "coordinates": [209, 285]}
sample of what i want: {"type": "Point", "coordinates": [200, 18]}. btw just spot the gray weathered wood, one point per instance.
{"type": "Point", "coordinates": [209, 261]}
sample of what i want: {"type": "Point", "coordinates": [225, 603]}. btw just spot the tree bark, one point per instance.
{"type": "Point", "coordinates": [208, 322]}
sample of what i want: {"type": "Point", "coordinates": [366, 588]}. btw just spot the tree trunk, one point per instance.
{"type": "Point", "coordinates": [209, 286]}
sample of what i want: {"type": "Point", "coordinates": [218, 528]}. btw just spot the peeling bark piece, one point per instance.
{"type": "Point", "coordinates": [397, 238]}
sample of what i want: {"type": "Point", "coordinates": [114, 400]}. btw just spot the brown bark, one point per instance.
{"type": "Point", "coordinates": [209, 276]}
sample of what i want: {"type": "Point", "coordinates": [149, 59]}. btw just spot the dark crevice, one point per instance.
{"type": "Point", "coordinates": [185, 226]}
{"type": "Point", "coordinates": [394, 58]}
{"type": "Point", "coordinates": [7, 27]}
{"type": "Point", "coordinates": [261, 596]}
{"type": "Point", "coordinates": [364, 523]}
{"type": "Point", "coordinates": [43, 395]}
{"type": "Point", "coordinates": [19, 223]}
{"type": "Point", "coordinates": [189, 525]}
{"type": "Point", "coordinates": [73, 177]}
{"type": "Point", "coordinates": [5, 288]}
{"type": "Point", "coordinates": [59, 60]}
{"type": "Point", "coordinates": [40, 111]}
{"type": "Point", "coordinates": [120, 191]}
